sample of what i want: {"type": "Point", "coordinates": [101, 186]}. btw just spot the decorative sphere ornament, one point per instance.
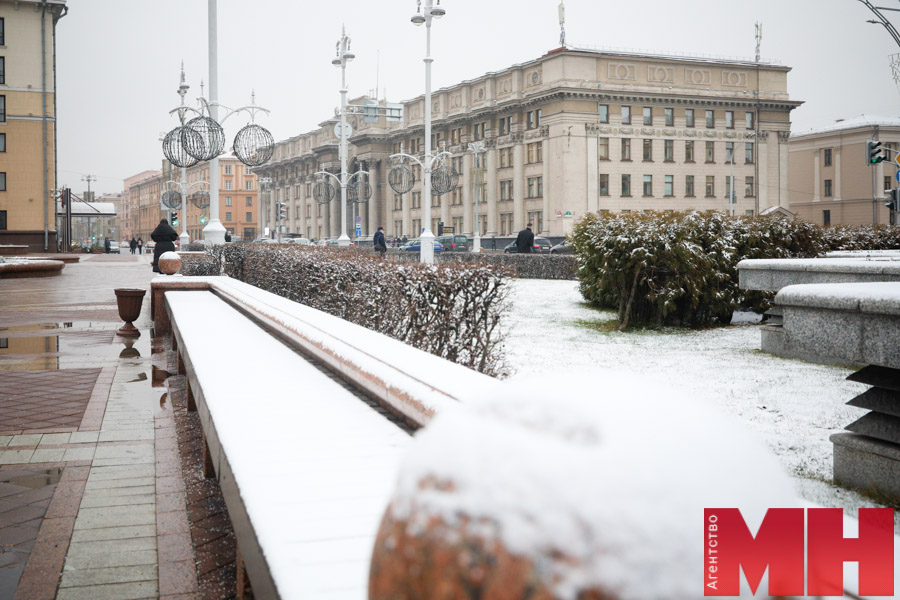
{"type": "Point", "coordinates": [174, 149]}
{"type": "Point", "coordinates": [443, 180]}
{"type": "Point", "coordinates": [208, 141]}
{"type": "Point", "coordinates": [359, 192]}
{"type": "Point", "coordinates": [324, 192]}
{"type": "Point", "coordinates": [200, 199]}
{"type": "Point", "coordinates": [171, 199]}
{"type": "Point", "coordinates": [401, 179]}
{"type": "Point", "coordinates": [254, 145]}
{"type": "Point", "coordinates": [169, 263]}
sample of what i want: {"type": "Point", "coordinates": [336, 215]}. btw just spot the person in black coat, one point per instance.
{"type": "Point", "coordinates": [165, 237]}
{"type": "Point", "coordinates": [525, 240]}
{"type": "Point", "coordinates": [133, 245]}
{"type": "Point", "coordinates": [379, 241]}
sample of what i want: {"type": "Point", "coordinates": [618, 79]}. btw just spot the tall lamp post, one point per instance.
{"type": "Point", "coordinates": [477, 148]}
{"type": "Point", "coordinates": [343, 56]}
{"type": "Point", "coordinates": [265, 190]}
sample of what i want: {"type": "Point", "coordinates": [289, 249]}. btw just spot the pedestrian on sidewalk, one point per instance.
{"type": "Point", "coordinates": [132, 244]}
{"type": "Point", "coordinates": [379, 241]}
{"type": "Point", "coordinates": [525, 241]}
{"type": "Point", "coordinates": [140, 245]}
{"type": "Point", "coordinates": [106, 245]}
{"type": "Point", "coordinates": [165, 237]}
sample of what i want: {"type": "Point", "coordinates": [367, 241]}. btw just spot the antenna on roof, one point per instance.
{"type": "Point", "coordinates": [562, 23]}
{"type": "Point", "coordinates": [377, 70]}
{"type": "Point", "coordinates": [758, 39]}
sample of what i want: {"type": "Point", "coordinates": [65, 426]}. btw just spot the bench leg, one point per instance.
{"type": "Point", "coordinates": [174, 340]}
{"type": "Point", "coordinates": [244, 590]}
{"type": "Point", "coordinates": [181, 370]}
{"type": "Point", "coordinates": [209, 470]}
{"type": "Point", "coordinates": [191, 404]}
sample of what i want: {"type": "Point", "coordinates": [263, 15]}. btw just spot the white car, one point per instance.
{"type": "Point", "coordinates": [299, 241]}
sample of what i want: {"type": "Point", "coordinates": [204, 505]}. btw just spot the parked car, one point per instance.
{"type": "Point", "coordinates": [299, 241]}
{"type": "Point", "coordinates": [338, 243]}
{"type": "Point", "coordinates": [541, 246]}
{"type": "Point", "coordinates": [561, 248]}
{"type": "Point", "coordinates": [416, 246]}
{"type": "Point", "coordinates": [114, 247]}
{"type": "Point", "coordinates": [453, 243]}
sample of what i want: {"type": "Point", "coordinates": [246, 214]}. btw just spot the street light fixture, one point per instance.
{"type": "Point", "coordinates": [477, 148]}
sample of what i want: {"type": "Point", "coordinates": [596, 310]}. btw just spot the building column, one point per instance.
{"type": "Point", "coordinates": [468, 181]}
{"type": "Point", "coordinates": [491, 192]}
{"type": "Point", "coordinates": [545, 209]}
{"type": "Point", "coordinates": [334, 214]}
{"type": "Point", "coordinates": [373, 206]}
{"type": "Point", "coordinates": [593, 163]}
{"type": "Point", "coordinates": [762, 159]}
{"type": "Point", "coordinates": [837, 174]}
{"type": "Point", "coordinates": [519, 220]}
{"type": "Point", "coordinates": [817, 176]}
{"type": "Point", "coordinates": [783, 194]}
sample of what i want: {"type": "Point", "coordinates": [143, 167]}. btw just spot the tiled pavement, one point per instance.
{"type": "Point", "coordinates": [95, 433]}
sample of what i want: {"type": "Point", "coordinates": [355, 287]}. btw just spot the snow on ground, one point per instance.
{"type": "Point", "coordinates": [792, 404]}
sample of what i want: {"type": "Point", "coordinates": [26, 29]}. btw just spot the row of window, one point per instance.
{"type": "Point", "coordinates": [669, 186]}
{"type": "Point", "coordinates": [248, 200]}
{"type": "Point", "coordinates": [247, 170]}
{"type": "Point", "coordinates": [229, 219]}
{"type": "Point", "coordinates": [248, 185]}
{"type": "Point", "coordinates": [669, 151]}
{"type": "Point", "coordinates": [669, 114]}
{"type": "Point", "coordinates": [479, 131]}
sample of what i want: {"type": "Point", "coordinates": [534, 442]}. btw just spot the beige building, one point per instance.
{"type": "Point", "coordinates": [831, 179]}
{"type": "Point", "coordinates": [28, 122]}
{"type": "Point", "coordinates": [238, 200]}
{"type": "Point", "coordinates": [571, 132]}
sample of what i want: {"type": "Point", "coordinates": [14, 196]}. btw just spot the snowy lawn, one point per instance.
{"type": "Point", "coordinates": [794, 406]}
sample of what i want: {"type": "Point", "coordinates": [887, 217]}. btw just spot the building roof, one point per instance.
{"type": "Point", "coordinates": [861, 122]}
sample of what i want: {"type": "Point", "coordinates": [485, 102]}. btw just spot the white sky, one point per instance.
{"type": "Point", "coordinates": [118, 60]}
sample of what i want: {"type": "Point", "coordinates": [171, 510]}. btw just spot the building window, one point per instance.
{"type": "Point", "coordinates": [228, 185]}
{"type": "Point", "coordinates": [535, 187]}
{"type": "Point", "coordinates": [533, 119]}
{"type": "Point", "coordinates": [689, 186]}
{"type": "Point", "coordinates": [827, 157]}
{"type": "Point", "coordinates": [626, 115]}
{"type": "Point", "coordinates": [604, 184]}
{"type": "Point", "coordinates": [729, 153]}
{"type": "Point", "coordinates": [648, 149]}
{"type": "Point", "coordinates": [416, 200]}
{"type": "Point", "coordinates": [2, 109]}
{"type": "Point", "coordinates": [826, 218]}
{"type": "Point", "coordinates": [710, 119]}
{"type": "Point", "coordinates": [506, 157]}
{"type": "Point", "coordinates": [689, 152]}
{"type": "Point", "coordinates": [729, 119]}
{"type": "Point", "coordinates": [249, 200]}
{"type": "Point", "coordinates": [247, 171]}
{"type": "Point", "coordinates": [506, 223]}
{"type": "Point", "coordinates": [626, 185]}
{"type": "Point", "coordinates": [749, 190]}
{"type": "Point", "coordinates": [626, 149]}
{"type": "Point", "coordinates": [506, 190]}
{"type": "Point", "coordinates": [536, 220]}
{"type": "Point", "coordinates": [248, 185]}
{"type": "Point", "coordinates": [228, 169]}
{"type": "Point", "coordinates": [228, 217]}
{"type": "Point", "coordinates": [2, 32]}
{"type": "Point", "coordinates": [728, 181]}
{"type": "Point", "coordinates": [669, 189]}
{"type": "Point", "coordinates": [2, 181]}
{"type": "Point", "coordinates": [648, 185]}
{"type": "Point", "coordinates": [2, 142]}
{"type": "Point", "coordinates": [603, 148]}
{"type": "Point", "coordinates": [249, 218]}
{"type": "Point", "coordinates": [670, 117]}
{"type": "Point", "coordinates": [710, 152]}
{"type": "Point", "coordinates": [478, 131]}
{"type": "Point", "coordinates": [888, 183]}
{"type": "Point", "coordinates": [227, 200]}
{"type": "Point", "coordinates": [2, 69]}
{"type": "Point", "coordinates": [435, 203]}
{"type": "Point", "coordinates": [648, 115]}
{"type": "Point", "coordinates": [505, 125]}
{"type": "Point", "coordinates": [535, 152]}
{"type": "Point", "coordinates": [828, 188]}
{"type": "Point", "coordinates": [417, 227]}
{"type": "Point", "coordinates": [689, 117]}
{"type": "Point", "coordinates": [748, 153]}
{"type": "Point", "coordinates": [710, 186]}
{"type": "Point", "coordinates": [748, 118]}
{"type": "Point", "coordinates": [455, 136]}
{"type": "Point", "coordinates": [669, 150]}
{"type": "Point", "coordinates": [603, 111]}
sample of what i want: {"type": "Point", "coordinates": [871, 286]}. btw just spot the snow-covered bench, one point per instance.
{"type": "Point", "coordinates": [305, 465]}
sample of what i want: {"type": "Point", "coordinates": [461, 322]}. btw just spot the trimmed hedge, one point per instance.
{"type": "Point", "coordinates": [524, 266]}
{"type": "Point", "coordinates": [450, 310]}
{"type": "Point", "coordinates": [681, 268]}
{"type": "Point", "coordinates": [862, 237]}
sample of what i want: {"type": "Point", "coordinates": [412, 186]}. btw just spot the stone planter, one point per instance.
{"type": "Point", "coordinates": [129, 301]}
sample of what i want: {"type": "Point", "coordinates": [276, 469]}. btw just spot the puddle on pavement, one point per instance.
{"type": "Point", "coordinates": [52, 352]}
{"type": "Point", "coordinates": [140, 377]}
{"type": "Point", "coordinates": [34, 479]}
{"type": "Point", "coordinates": [15, 329]}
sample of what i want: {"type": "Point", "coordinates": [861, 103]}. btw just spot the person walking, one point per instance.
{"type": "Point", "coordinates": [227, 236]}
{"type": "Point", "coordinates": [106, 245]}
{"type": "Point", "coordinates": [132, 245]}
{"type": "Point", "coordinates": [140, 245]}
{"type": "Point", "coordinates": [379, 241]}
{"type": "Point", "coordinates": [525, 241]}
{"type": "Point", "coordinates": [165, 237]}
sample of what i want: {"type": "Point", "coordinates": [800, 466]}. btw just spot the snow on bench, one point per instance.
{"type": "Point", "coordinates": [305, 466]}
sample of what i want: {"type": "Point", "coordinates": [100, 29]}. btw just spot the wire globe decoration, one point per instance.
{"type": "Point", "coordinates": [324, 192]}
{"type": "Point", "coordinates": [200, 199]}
{"type": "Point", "coordinates": [171, 199]}
{"type": "Point", "coordinates": [401, 179]}
{"type": "Point", "coordinates": [443, 180]}
{"type": "Point", "coordinates": [254, 145]}
{"type": "Point", "coordinates": [174, 148]}
{"type": "Point", "coordinates": [208, 141]}
{"type": "Point", "coordinates": [359, 192]}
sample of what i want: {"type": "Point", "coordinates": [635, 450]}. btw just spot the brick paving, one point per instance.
{"type": "Point", "coordinates": [45, 399]}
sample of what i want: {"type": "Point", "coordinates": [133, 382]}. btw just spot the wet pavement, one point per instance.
{"type": "Point", "coordinates": [98, 499]}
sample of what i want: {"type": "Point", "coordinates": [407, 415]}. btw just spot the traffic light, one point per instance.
{"type": "Point", "coordinates": [893, 200]}
{"type": "Point", "coordinates": [203, 220]}
{"type": "Point", "coordinates": [174, 218]}
{"type": "Point", "coordinates": [282, 210]}
{"type": "Point", "coordinates": [874, 152]}
{"type": "Point", "coordinates": [441, 228]}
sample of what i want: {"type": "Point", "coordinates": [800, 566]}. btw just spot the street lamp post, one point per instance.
{"type": "Point", "coordinates": [477, 148]}
{"type": "Point", "coordinates": [340, 60]}
{"type": "Point", "coordinates": [265, 188]}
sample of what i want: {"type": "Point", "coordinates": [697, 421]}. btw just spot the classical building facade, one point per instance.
{"type": "Point", "coordinates": [571, 132]}
{"type": "Point", "coordinates": [238, 200]}
{"type": "Point", "coordinates": [28, 122]}
{"type": "Point", "coordinates": [831, 178]}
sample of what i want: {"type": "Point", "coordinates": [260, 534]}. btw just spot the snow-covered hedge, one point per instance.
{"type": "Point", "coordinates": [524, 266]}
{"type": "Point", "coordinates": [450, 310]}
{"type": "Point", "coordinates": [863, 237]}
{"type": "Point", "coordinates": [681, 268]}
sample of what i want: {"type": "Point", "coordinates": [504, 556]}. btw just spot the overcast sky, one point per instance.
{"type": "Point", "coordinates": [118, 60]}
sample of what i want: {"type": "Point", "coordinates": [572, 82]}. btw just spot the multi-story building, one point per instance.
{"type": "Point", "coordinates": [831, 180]}
{"type": "Point", "coordinates": [571, 132]}
{"type": "Point", "coordinates": [127, 211]}
{"type": "Point", "coordinates": [238, 200]}
{"type": "Point", "coordinates": [28, 121]}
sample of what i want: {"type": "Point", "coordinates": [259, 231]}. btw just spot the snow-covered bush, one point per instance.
{"type": "Point", "coordinates": [680, 268]}
{"type": "Point", "coordinates": [450, 310]}
{"type": "Point", "coordinates": [199, 265]}
{"type": "Point", "coordinates": [863, 237]}
{"type": "Point", "coordinates": [524, 266]}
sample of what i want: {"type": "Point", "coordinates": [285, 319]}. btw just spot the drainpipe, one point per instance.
{"type": "Point", "coordinates": [44, 117]}
{"type": "Point", "coordinates": [65, 11]}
